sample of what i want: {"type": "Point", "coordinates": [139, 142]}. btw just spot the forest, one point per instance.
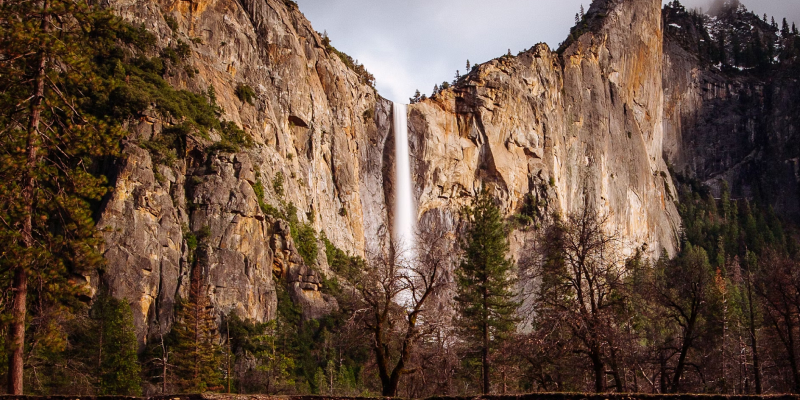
{"type": "Point", "coordinates": [722, 316]}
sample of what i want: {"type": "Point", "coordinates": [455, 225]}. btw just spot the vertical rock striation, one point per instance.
{"type": "Point", "coordinates": [583, 127]}
{"type": "Point", "coordinates": [314, 122]}
{"type": "Point", "coordinates": [727, 123]}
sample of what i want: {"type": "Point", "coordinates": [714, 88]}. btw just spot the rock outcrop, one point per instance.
{"type": "Point", "coordinates": [580, 128]}
{"type": "Point", "coordinates": [319, 134]}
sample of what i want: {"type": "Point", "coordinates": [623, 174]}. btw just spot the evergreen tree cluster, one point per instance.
{"type": "Point", "coordinates": [734, 39]}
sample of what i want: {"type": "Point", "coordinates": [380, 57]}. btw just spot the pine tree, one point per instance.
{"type": "Point", "coordinates": [119, 368]}
{"type": "Point", "coordinates": [485, 296]}
{"type": "Point", "coordinates": [435, 90]}
{"type": "Point", "coordinates": [785, 29]}
{"type": "Point", "coordinates": [582, 12]}
{"type": "Point", "coordinates": [276, 365]}
{"type": "Point", "coordinates": [326, 40]}
{"type": "Point", "coordinates": [722, 54]}
{"type": "Point", "coordinates": [47, 151]}
{"type": "Point", "coordinates": [416, 99]}
{"type": "Point", "coordinates": [469, 68]}
{"type": "Point", "coordinates": [196, 352]}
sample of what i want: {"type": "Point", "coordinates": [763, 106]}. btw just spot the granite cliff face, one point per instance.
{"type": "Point", "coordinates": [732, 120]}
{"type": "Point", "coordinates": [545, 131]}
{"type": "Point", "coordinates": [318, 130]}
{"type": "Point", "coordinates": [583, 127]}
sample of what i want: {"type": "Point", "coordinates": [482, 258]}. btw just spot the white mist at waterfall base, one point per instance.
{"type": "Point", "coordinates": [405, 216]}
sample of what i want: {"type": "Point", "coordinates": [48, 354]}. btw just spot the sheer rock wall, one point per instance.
{"type": "Point", "coordinates": [579, 128]}
{"type": "Point", "coordinates": [313, 120]}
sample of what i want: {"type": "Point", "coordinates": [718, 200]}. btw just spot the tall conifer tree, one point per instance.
{"type": "Point", "coordinates": [119, 370]}
{"type": "Point", "coordinates": [485, 294]}
{"type": "Point", "coordinates": [197, 352]}
{"type": "Point", "coordinates": [47, 149]}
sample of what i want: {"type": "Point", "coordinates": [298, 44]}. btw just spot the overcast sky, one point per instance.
{"type": "Point", "coordinates": [414, 44]}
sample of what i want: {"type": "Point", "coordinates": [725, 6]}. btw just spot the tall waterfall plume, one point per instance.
{"type": "Point", "coordinates": [405, 215]}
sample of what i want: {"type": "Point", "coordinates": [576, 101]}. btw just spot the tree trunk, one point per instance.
{"type": "Point", "coordinates": [687, 344]}
{"type": "Point", "coordinates": [753, 342]}
{"type": "Point", "coordinates": [620, 385]}
{"type": "Point", "coordinates": [599, 371]}
{"type": "Point", "coordinates": [791, 352]}
{"type": "Point", "coordinates": [485, 350]}
{"type": "Point", "coordinates": [485, 358]}
{"type": "Point", "coordinates": [164, 361]}
{"type": "Point", "coordinates": [390, 386]}
{"type": "Point", "coordinates": [20, 283]}
{"type": "Point", "coordinates": [662, 362]}
{"type": "Point", "coordinates": [17, 332]}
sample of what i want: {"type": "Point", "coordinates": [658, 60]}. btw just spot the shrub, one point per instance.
{"type": "Point", "coordinates": [245, 93]}
{"type": "Point", "coordinates": [368, 114]}
{"type": "Point", "coordinates": [344, 265]}
{"type": "Point", "coordinates": [277, 184]}
{"type": "Point", "coordinates": [139, 36]}
{"type": "Point", "coordinates": [233, 139]}
{"type": "Point", "coordinates": [172, 23]}
{"type": "Point", "coordinates": [364, 76]}
{"type": "Point", "coordinates": [305, 239]}
{"type": "Point", "coordinates": [183, 50]}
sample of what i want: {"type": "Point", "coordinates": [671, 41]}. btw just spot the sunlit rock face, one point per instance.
{"type": "Point", "coordinates": [581, 128]}
{"type": "Point", "coordinates": [313, 121]}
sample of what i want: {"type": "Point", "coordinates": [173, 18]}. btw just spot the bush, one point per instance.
{"type": "Point", "coordinates": [277, 184]}
{"type": "Point", "coordinates": [139, 36]}
{"type": "Point", "coordinates": [245, 93]}
{"type": "Point", "coordinates": [305, 239]}
{"type": "Point", "coordinates": [364, 76]}
{"type": "Point", "coordinates": [183, 50]}
{"type": "Point", "coordinates": [343, 264]}
{"type": "Point", "coordinates": [172, 23]}
{"type": "Point", "coordinates": [368, 114]}
{"type": "Point", "coordinates": [233, 139]}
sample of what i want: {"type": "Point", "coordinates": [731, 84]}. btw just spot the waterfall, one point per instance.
{"type": "Point", "coordinates": [405, 215]}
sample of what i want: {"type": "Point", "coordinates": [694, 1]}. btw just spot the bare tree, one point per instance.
{"type": "Point", "coordinates": [684, 288]}
{"type": "Point", "coordinates": [779, 290]}
{"type": "Point", "coordinates": [582, 273]}
{"type": "Point", "coordinates": [396, 290]}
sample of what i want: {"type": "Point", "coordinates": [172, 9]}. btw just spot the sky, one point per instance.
{"type": "Point", "coordinates": [414, 44]}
